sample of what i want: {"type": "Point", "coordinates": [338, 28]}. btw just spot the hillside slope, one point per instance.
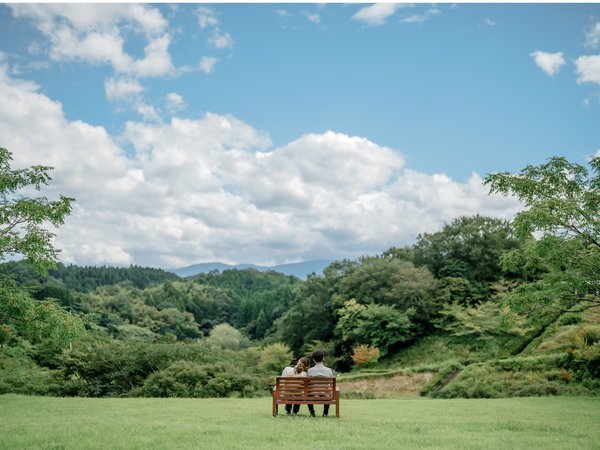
{"type": "Point", "coordinates": [564, 359]}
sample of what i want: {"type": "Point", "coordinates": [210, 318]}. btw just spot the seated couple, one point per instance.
{"type": "Point", "coordinates": [303, 369]}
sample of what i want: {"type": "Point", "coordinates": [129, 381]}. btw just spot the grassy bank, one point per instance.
{"type": "Point", "coordinates": [76, 423]}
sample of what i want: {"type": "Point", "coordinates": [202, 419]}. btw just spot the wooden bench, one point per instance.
{"type": "Point", "coordinates": [306, 391]}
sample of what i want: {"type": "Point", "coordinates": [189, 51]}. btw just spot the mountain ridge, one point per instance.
{"type": "Point", "coordinates": [300, 269]}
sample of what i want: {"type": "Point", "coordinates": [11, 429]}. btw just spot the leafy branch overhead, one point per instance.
{"type": "Point", "coordinates": [22, 219]}
{"type": "Point", "coordinates": [563, 211]}
{"type": "Point", "coordinates": [562, 198]}
{"type": "Point", "coordinates": [23, 233]}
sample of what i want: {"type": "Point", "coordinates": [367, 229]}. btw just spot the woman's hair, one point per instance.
{"type": "Point", "coordinates": [302, 365]}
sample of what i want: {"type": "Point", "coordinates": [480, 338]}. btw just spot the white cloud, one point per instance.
{"type": "Point", "coordinates": [122, 88]}
{"type": "Point", "coordinates": [414, 18]}
{"type": "Point", "coordinates": [175, 102]}
{"type": "Point", "coordinates": [214, 189]}
{"type": "Point", "coordinates": [207, 64]}
{"type": "Point", "coordinates": [592, 36]}
{"type": "Point", "coordinates": [148, 112]}
{"type": "Point", "coordinates": [93, 34]}
{"type": "Point", "coordinates": [420, 18]}
{"type": "Point", "coordinates": [314, 18]}
{"type": "Point", "coordinates": [548, 62]}
{"type": "Point", "coordinates": [128, 92]}
{"type": "Point", "coordinates": [489, 22]}
{"type": "Point", "coordinates": [207, 17]}
{"type": "Point", "coordinates": [376, 14]}
{"type": "Point", "coordinates": [218, 39]}
{"type": "Point", "coordinates": [283, 13]}
{"type": "Point", "coordinates": [221, 40]}
{"type": "Point", "coordinates": [588, 69]}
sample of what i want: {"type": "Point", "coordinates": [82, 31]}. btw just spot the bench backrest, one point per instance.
{"type": "Point", "coordinates": [305, 388]}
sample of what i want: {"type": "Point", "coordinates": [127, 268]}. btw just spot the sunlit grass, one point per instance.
{"type": "Point", "coordinates": [75, 423]}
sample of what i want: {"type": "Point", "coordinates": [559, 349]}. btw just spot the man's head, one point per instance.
{"type": "Point", "coordinates": [318, 356]}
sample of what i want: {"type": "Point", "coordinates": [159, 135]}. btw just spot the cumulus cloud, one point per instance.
{"type": "Point", "coordinates": [207, 64]}
{"type": "Point", "coordinates": [175, 102]}
{"type": "Point", "coordinates": [548, 62]}
{"type": "Point", "coordinates": [213, 188]}
{"type": "Point", "coordinates": [313, 17]}
{"type": "Point", "coordinates": [221, 40]}
{"type": "Point", "coordinates": [420, 18]}
{"type": "Point", "coordinates": [283, 13]}
{"type": "Point", "coordinates": [128, 92]}
{"type": "Point", "coordinates": [376, 14]}
{"type": "Point", "coordinates": [592, 36]}
{"type": "Point", "coordinates": [207, 17]}
{"type": "Point", "coordinates": [93, 34]}
{"type": "Point", "coordinates": [148, 112]}
{"type": "Point", "coordinates": [122, 88]}
{"type": "Point", "coordinates": [588, 69]}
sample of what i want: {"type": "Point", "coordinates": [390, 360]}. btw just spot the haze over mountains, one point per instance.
{"type": "Point", "coordinates": [300, 269]}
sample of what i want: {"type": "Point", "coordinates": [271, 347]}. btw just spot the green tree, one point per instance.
{"type": "Point", "coordinates": [22, 219]}
{"type": "Point", "coordinates": [392, 282]}
{"type": "Point", "coordinates": [311, 316]}
{"type": "Point", "coordinates": [562, 209]}
{"type": "Point", "coordinates": [225, 336]}
{"type": "Point", "coordinates": [380, 326]}
{"type": "Point", "coordinates": [274, 357]}
{"type": "Point", "coordinates": [22, 233]}
{"type": "Point", "coordinates": [468, 247]}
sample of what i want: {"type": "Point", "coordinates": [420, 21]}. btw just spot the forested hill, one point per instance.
{"type": "Point", "coordinates": [300, 270]}
{"type": "Point", "coordinates": [87, 278]}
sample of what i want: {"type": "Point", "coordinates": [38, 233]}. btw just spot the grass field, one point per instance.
{"type": "Point", "coordinates": [79, 423]}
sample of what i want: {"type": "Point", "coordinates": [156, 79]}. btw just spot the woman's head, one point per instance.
{"type": "Point", "coordinates": [302, 365]}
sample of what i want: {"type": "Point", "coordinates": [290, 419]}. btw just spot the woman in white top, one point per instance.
{"type": "Point", "coordinates": [299, 370]}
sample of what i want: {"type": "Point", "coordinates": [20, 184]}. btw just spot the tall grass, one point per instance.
{"type": "Point", "coordinates": [141, 423]}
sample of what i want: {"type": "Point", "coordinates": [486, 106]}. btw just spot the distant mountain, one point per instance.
{"type": "Point", "coordinates": [300, 270]}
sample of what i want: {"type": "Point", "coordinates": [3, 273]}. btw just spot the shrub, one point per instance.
{"type": "Point", "coordinates": [365, 355]}
{"type": "Point", "coordinates": [188, 379]}
{"type": "Point", "coordinates": [275, 357]}
{"type": "Point", "coordinates": [225, 337]}
{"type": "Point", "coordinates": [569, 319]}
{"type": "Point", "coordinates": [178, 380]}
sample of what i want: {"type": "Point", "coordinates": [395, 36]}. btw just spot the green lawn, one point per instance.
{"type": "Point", "coordinates": [78, 423]}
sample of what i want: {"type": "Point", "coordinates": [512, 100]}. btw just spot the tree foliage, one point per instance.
{"type": "Point", "coordinates": [274, 357]}
{"type": "Point", "coordinates": [392, 282]}
{"type": "Point", "coordinates": [225, 337]}
{"type": "Point", "coordinates": [381, 326]}
{"type": "Point", "coordinates": [562, 201]}
{"type": "Point", "coordinates": [365, 355]}
{"type": "Point", "coordinates": [23, 233]}
{"type": "Point", "coordinates": [22, 219]}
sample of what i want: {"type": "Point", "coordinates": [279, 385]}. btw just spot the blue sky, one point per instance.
{"type": "Point", "coordinates": [270, 133]}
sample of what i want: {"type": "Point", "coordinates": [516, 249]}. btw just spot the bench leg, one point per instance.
{"type": "Point", "coordinates": [274, 406]}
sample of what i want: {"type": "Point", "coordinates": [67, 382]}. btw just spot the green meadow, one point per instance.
{"type": "Point", "coordinates": [145, 423]}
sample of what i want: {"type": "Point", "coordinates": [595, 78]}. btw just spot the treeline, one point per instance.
{"type": "Point", "coordinates": [85, 279]}
{"type": "Point", "coordinates": [249, 300]}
